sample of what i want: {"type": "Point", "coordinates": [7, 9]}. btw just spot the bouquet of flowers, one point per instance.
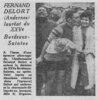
{"type": "Point", "coordinates": [60, 45]}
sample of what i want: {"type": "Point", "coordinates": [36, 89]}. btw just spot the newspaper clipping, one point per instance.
{"type": "Point", "coordinates": [47, 50]}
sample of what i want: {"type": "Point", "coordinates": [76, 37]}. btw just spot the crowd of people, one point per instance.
{"type": "Point", "coordinates": [65, 52]}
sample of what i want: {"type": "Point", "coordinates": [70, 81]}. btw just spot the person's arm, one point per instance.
{"type": "Point", "coordinates": [53, 35]}
{"type": "Point", "coordinates": [56, 33]}
{"type": "Point", "coordinates": [90, 43]}
{"type": "Point", "coordinates": [41, 57]}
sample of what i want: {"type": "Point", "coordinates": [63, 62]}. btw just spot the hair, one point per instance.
{"type": "Point", "coordinates": [87, 14]}
{"type": "Point", "coordinates": [69, 14]}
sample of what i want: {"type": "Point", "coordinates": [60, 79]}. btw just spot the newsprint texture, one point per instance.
{"type": "Point", "coordinates": [48, 50]}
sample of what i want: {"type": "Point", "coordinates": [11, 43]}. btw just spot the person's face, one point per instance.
{"type": "Point", "coordinates": [42, 12]}
{"type": "Point", "coordinates": [76, 19]}
{"type": "Point", "coordinates": [85, 22]}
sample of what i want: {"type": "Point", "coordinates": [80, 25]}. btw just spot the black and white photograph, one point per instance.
{"type": "Point", "coordinates": [65, 48]}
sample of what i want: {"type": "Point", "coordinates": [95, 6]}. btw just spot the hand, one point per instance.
{"type": "Point", "coordinates": [39, 60]}
{"type": "Point", "coordinates": [81, 56]}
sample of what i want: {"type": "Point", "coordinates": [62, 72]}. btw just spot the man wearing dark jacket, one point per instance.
{"type": "Point", "coordinates": [43, 28]}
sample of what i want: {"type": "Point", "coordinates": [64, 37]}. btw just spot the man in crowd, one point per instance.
{"type": "Point", "coordinates": [61, 62]}
{"type": "Point", "coordinates": [55, 15]}
{"type": "Point", "coordinates": [43, 28]}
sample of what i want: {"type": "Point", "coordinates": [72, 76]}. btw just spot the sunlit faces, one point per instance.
{"type": "Point", "coordinates": [76, 19]}
{"type": "Point", "coordinates": [85, 22]}
{"type": "Point", "coordinates": [42, 12]}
